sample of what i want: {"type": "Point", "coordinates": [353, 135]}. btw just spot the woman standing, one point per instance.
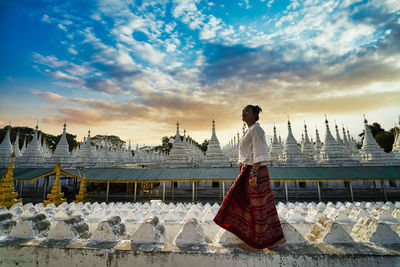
{"type": "Point", "coordinates": [248, 209]}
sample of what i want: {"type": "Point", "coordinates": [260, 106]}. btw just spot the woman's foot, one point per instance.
{"type": "Point", "coordinates": [280, 241]}
{"type": "Point", "coordinates": [246, 247]}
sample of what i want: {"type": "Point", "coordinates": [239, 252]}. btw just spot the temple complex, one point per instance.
{"type": "Point", "coordinates": [339, 151]}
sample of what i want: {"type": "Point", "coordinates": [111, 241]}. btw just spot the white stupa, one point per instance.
{"type": "Point", "coordinates": [276, 148]}
{"type": "Point", "coordinates": [23, 146]}
{"type": "Point", "coordinates": [396, 143]}
{"type": "Point", "coordinates": [33, 156]}
{"type": "Point", "coordinates": [85, 157]}
{"type": "Point", "coordinates": [128, 154]}
{"type": "Point", "coordinates": [331, 153]}
{"type": "Point", "coordinates": [214, 156]}
{"type": "Point", "coordinates": [307, 147]}
{"type": "Point", "coordinates": [291, 154]}
{"type": "Point", "coordinates": [6, 149]}
{"type": "Point", "coordinates": [177, 156]}
{"type": "Point", "coordinates": [371, 153]}
{"type": "Point", "coordinates": [186, 146]}
{"type": "Point", "coordinates": [45, 149]}
{"type": "Point", "coordinates": [136, 156]}
{"type": "Point", "coordinates": [16, 149]}
{"type": "Point", "coordinates": [318, 144]}
{"type": "Point", "coordinates": [61, 153]}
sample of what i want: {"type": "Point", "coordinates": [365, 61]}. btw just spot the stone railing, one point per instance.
{"type": "Point", "coordinates": [371, 229]}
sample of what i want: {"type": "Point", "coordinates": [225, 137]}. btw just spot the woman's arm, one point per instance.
{"type": "Point", "coordinates": [260, 154]}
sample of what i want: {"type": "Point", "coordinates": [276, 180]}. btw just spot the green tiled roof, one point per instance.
{"type": "Point", "coordinates": [309, 174]}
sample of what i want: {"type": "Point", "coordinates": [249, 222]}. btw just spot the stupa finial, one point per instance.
{"type": "Point", "coordinates": [365, 119]}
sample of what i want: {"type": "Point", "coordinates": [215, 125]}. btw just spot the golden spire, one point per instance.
{"type": "Point", "coordinates": [7, 195]}
{"type": "Point", "coordinates": [82, 196]}
{"type": "Point", "coordinates": [56, 195]}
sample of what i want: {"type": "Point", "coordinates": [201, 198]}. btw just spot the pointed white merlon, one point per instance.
{"type": "Point", "coordinates": [95, 216]}
{"type": "Point", "coordinates": [337, 234]}
{"type": "Point", "coordinates": [172, 217]}
{"type": "Point", "coordinates": [296, 214]}
{"type": "Point", "coordinates": [111, 229]}
{"type": "Point", "coordinates": [208, 217]}
{"type": "Point", "coordinates": [320, 229]}
{"type": "Point", "coordinates": [292, 235]}
{"type": "Point", "coordinates": [6, 223]}
{"type": "Point", "coordinates": [215, 208]}
{"type": "Point", "coordinates": [364, 229]}
{"type": "Point", "coordinates": [180, 210]}
{"type": "Point", "coordinates": [386, 214]}
{"type": "Point", "coordinates": [150, 231]}
{"type": "Point", "coordinates": [356, 213]}
{"type": "Point", "coordinates": [73, 228]}
{"type": "Point", "coordinates": [343, 215]}
{"type": "Point", "coordinates": [31, 227]}
{"type": "Point", "coordinates": [189, 215]}
{"type": "Point", "coordinates": [313, 215]}
{"type": "Point", "coordinates": [60, 216]}
{"type": "Point", "coordinates": [384, 234]}
{"type": "Point", "coordinates": [226, 238]}
{"type": "Point", "coordinates": [191, 233]}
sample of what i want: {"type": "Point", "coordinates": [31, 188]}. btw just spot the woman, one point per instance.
{"type": "Point", "coordinates": [248, 209]}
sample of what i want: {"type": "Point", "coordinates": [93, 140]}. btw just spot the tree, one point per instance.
{"type": "Point", "coordinates": [383, 138]}
{"type": "Point", "coordinates": [114, 140]}
{"type": "Point", "coordinates": [166, 145]}
{"type": "Point", "coordinates": [375, 129]}
{"type": "Point", "coordinates": [204, 145]}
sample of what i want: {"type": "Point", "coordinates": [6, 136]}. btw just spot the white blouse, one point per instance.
{"type": "Point", "coordinates": [252, 146]}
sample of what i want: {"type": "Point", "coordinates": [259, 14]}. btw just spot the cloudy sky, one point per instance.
{"type": "Point", "coordinates": [131, 68]}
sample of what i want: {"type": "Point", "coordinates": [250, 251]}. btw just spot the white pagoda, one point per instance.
{"type": "Point", "coordinates": [6, 149]}
{"type": "Point", "coordinates": [85, 156]}
{"type": "Point", "coordinates": [61, 153]}
{"type": "Point", "coordinates": [214, 156]}
{"type": "Point", "coordinates": [33, 155]}
{"type": "Point", "coordinates": [276, 148]}
{"type": "Point", "coordinates": [307, 147]}
{"type": "Point", "coordinates": [291, 155]}
{"type": "Point", "coordinates": [371, 153]}
{"type": "Point", "coordinates": [178, 156]}
{"type": "Point", "coordinates": [16, 149]}
{"type": "Point", "coordinates": [332, 153]}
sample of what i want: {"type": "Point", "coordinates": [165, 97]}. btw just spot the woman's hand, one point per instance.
{"type": "Point", "coordinates": [254, 175]}
{"type": "Point", "coordinates": [253, 182]}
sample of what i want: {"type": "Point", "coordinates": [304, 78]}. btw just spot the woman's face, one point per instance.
{"type": "Point", "coordinates": [248, 115]}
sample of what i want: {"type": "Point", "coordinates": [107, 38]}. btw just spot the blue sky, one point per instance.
{"type": "Point", "coordinates": [131, 68]}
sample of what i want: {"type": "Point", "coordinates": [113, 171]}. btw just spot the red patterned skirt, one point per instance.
{"type": "Point", "coordinates": [251, 214]}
